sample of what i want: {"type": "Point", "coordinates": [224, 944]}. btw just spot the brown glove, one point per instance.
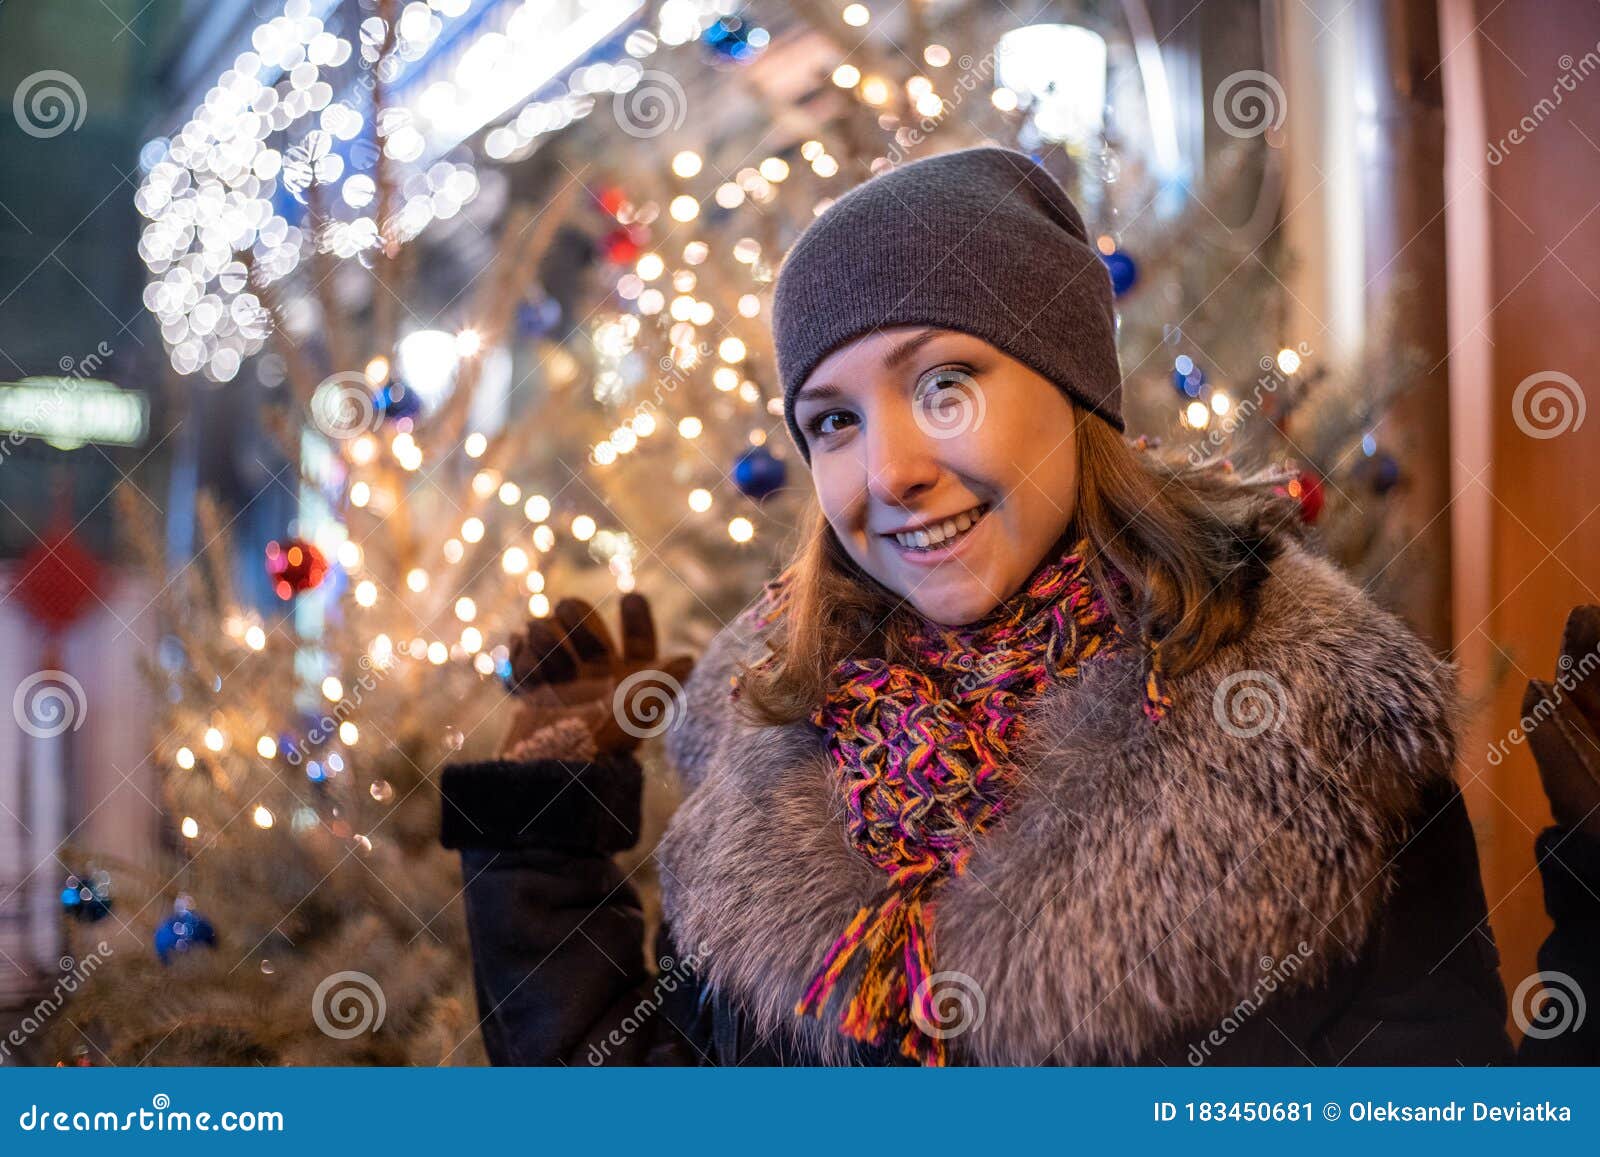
{"type": "Point", "coordinates": [1565, 731]}
{"type": "Point", "coordinates": [579, 696]}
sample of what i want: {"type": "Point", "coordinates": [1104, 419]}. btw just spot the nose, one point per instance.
{"type": "Point", "coordinates": [901, 462]}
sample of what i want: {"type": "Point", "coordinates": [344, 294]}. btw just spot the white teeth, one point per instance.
{"type": "Point", "coordinates": [934, 535]}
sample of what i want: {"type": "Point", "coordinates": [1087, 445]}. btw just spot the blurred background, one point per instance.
{"type": "Point", "coordinates": [337, 335]}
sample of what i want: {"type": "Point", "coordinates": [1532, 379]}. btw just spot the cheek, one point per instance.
{"type": "Point", "coordinates": [841, 489]}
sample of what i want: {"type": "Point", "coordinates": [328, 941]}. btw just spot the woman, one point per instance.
{"type": "Point", "coordinates": [1041, 751]}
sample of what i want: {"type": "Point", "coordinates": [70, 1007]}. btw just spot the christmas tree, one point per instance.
{"type": "Point", "coordinates": [580, 397]}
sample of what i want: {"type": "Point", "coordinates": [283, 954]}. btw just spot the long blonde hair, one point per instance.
{"type": "Point", "coordinates": [1193, 541]}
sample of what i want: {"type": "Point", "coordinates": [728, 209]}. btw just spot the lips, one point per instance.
{"type": "Point", "coordinates": [940, 536]}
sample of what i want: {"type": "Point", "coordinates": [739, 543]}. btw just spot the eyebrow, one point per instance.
{"type": "Point", "coordinates": [896, 354]}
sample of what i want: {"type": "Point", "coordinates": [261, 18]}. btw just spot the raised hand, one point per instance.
{"type": "Point", "coordinates": [580, 695]}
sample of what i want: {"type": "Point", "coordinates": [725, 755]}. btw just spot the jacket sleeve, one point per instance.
{"type": "Point", "coordinates": [556, 930]}
{"type": "Point", "coordinates": [1560, 1029]}
{"type": "Point", "coordinates": [1427, 988]}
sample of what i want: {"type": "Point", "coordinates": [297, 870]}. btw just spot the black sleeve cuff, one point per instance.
{"type": "Point", "coordinates": [555, 804]}
{"type": "Point", "coordinates": [1569, 861]}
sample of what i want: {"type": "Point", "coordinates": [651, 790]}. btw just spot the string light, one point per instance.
{"type": "Point", "coordinates": [332, 689]}
{"type": "Point", "coordinates": [856, 15]}
{"type": "Point", "coordinates": [349, 733]}
{"type": "Point", "coordinates": [189, 828]}
{"type": "Point", "coordinates": [255, 638]}
{"type": "Point", "coordinates": [266, 747]}
{"type": "Point", "coordinates": [847, 76]}
{"type": "Point", "coordinates": [1288, 360]}
{"type": "Point", "coordinates": [741, 529]}
{"type": "Point", "coordinates": [466, 609]}
{"type": "Point", "coordinates": [583, 528]}
{"type": "Point", "coordinates": [213, 739]}
{"type": "Point", "coordinates": [686, 164]}
{"type": "Point", "coordinates": [700, 500]}
{"type": "Point", "coordinates": [417, 579]}
{"type": "Point", "coordinates": [366, 593]}
{"type": "Point", "coordinates": [537, 508]}
{"type": "Point", "coordinates": [184, 759]}
{"type": "Point", "coordinates": [262, 817]}
{"type": "Point", "coordinates": [475, 445]}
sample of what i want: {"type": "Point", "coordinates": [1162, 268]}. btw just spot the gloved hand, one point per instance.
{"type": "Point", "coordinates": [1566, 735]}
{"type": "Point", "coordinates": [579, 696]}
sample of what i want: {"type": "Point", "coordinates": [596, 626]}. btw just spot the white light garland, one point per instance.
{"type": "Point", "coordinates": [210, 190]}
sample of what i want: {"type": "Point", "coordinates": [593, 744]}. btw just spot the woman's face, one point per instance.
{"type": "Point", "coordinates": [946, 468]}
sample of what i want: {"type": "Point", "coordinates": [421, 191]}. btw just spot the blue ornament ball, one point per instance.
{"type": "Point", "coordinates": [399, 402]}
{"type": "Point", "coordinates": [1124, 270]}
{"type": "Point", "coordinates": [758, 473]}
{"type": "Point", "coordinates": [182, 930]}
{"type": "Point", "coordinates": [734, 39]}
{"type": "Point", "coordinates": [1187, 377]}
{"type": "Point", "coordinates": [537, 318]}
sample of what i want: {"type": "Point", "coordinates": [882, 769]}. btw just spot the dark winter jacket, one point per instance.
{"type": "Point", "coordinates": [1294, 887]}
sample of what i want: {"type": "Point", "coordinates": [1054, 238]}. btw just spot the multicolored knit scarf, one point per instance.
{"type": "Point", "coordinates": [922, 754]}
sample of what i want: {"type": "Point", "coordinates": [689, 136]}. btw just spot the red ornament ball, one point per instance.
{"type": "Point", "coordinates": [295, 566]}
{"type": "Point", "coordinates": [1305, 488]}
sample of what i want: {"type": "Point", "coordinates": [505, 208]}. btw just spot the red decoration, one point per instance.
{"type": "Point", "coordinates": [623, 246]}
{"type": "Point", "coordinates": [1306, 488]}
{"type": "Point", "coordinates": [295, 566]}
{"type": "Point", "coordinates": [611, 199]}
{"type": "Point", "coordinates": [59, 580]}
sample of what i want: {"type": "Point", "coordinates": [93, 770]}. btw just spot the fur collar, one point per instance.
{"type": "Point", "coordinates": [1145, 877]}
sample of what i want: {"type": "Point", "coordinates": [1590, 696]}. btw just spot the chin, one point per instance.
{"type": "Point", "coordinates": [955, 610]}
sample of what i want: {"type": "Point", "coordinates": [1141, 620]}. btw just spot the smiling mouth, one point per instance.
{"type": "Point", "coordinates": [943, 535]}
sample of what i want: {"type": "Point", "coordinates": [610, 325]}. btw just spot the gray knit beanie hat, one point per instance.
{"type": "Point", "coordinates": [979, 240]}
